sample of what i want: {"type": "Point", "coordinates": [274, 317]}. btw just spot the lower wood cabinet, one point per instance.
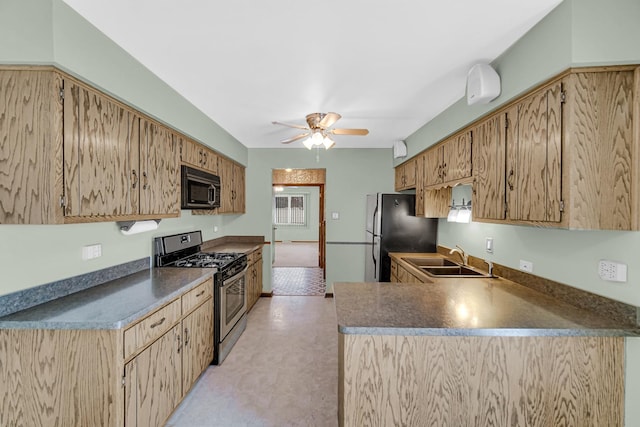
{"type": "Point", "coordinates": [399, 274]}
{"type": "Point", "coordinates": [254, 277]}
{"type": "Point", "coordinates": [117, 377]}
{"type": "Point", "coordinates": [153, 386]}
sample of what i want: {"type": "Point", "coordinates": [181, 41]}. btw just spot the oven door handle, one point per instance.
{"type": "Point", "coordinates": [236, 277]}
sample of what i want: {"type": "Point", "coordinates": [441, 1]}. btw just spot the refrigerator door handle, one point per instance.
{"type": "Point", "coordinates": [373, 257]}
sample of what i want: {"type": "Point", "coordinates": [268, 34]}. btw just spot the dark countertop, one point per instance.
{"type": "Point", "coordinates": [464, 307]}
{"type": "Point", "coordinates": [113, 305]}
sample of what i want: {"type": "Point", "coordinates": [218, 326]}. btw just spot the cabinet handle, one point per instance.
{"type": "Point", "coordinates": [205, 158]}
{"type": "Point", "coordinates": [134, 178]}
{"type": "Point", "coordinates": [158, 323]}
{"type": "Point", "coordinates": [200, 156]}
{"type": "Point", "coordinates": [473, 187]}
{"type": "Point", "coordinates": [146, 181]}
{"type": "Point", "coordinates": [179, 343]}
{"type": "Point", "coordinates": [510, 179]}
{"type": "Point", "coordinates": [186, 337]}
{"type": "Point", "coordinates": [199, 294]}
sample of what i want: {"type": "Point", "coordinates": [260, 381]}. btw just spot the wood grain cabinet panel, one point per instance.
{"type": "Point", "coordinates": [153, 386]}
{"type": "Point", "coordinates": [480, 381]}
{"type": "Point", "coordinates": [433, 166]}
{"type": "Point", "coordinates": [159, 187]}
{"type": "Point", "coordinates": [254, 277]}
{"type": "Point", "coordinates": [450, 161]}
{"type": "Point", "coordinates": [489, 150]}
{"type": "Point", "coordinates": [31, 138]}
{"type": "Point", "coordinates": [100, 155]}
{"type": "Point", "coordinates": [534, 166]}
{"type": "Point", "coordinates": [420, 183]}
{"type": "Point", "coordinates": [405, 175]}
{"type": "Point", "coordinates": [197, 332]}
{"type": "Point", "coordinates": [232, 180]}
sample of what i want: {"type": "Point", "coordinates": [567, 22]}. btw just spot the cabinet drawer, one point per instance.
{"type": "Point", "coordinates": [254, 256]}
{"type": "Point", "coordinates": [197, 295]}
{"type": "Point", "coordinates": [151, 327]}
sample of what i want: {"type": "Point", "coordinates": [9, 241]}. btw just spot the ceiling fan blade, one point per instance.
{"type": "Point", "coordinates": [291, 126]}
{"type": "Point", "coordinates": [328, 120]}
{"type": "Point", "coordinates": [349, 131]}
{"type": "Point", "coordinates": [295, 138]}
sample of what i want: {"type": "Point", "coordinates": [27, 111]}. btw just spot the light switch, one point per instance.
{"type": "Point", "coordinates": [489, 245]}
{"type": "Point", "coordinates": [91, 251]}
{"type": "Point", "coordinates": [335, 215]}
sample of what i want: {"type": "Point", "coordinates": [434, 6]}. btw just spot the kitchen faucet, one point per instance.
{"type": "Point", "coordinates": [460, 251]}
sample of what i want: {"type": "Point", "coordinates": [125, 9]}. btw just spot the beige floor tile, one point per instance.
{"type": "Point", "coordinates": [282, 372]}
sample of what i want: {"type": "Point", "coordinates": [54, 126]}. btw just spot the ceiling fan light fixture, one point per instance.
{"type": "Point", "coordinates": [328, 142]}
{"type": "Point", "coordinates": [308, 142]}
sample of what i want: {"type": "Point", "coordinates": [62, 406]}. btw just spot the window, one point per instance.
{"type": "Point", "coordinates": [290, 209]}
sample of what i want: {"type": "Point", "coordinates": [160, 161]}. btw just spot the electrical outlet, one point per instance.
{"type": "Point", "coordinates": [612, 271]}
{"type": "Point", "coordinates": [91, 251]}
{"type": "Point", "coordinates": [215, 228]}
{"type": "Point", "coordinates": [526, 266]}
{"type": "Point", "coordinates": [335, 215]}
{"type": "Point", "coordinates": [489, 245]}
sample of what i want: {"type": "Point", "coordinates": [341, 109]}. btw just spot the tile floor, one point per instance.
{"type": "Point", "coordinates": [297, 281]}
{"type": "Point", "coordinates": [283, 371]}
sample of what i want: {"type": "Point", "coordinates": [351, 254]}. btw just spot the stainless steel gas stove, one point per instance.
{"type": "Point", "coordinates": [230, 296]}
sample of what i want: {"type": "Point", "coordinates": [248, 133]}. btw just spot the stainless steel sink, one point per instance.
{"type": "Point", "coordinates": [449, 271]}
{"type": "Point", "coordinates": [429, 262]}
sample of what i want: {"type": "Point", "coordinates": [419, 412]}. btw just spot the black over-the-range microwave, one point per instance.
{"type": "Point", "coordinates": [200, 189]}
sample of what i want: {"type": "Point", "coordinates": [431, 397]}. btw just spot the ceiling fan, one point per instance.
{"type": "Point", "coordinates": [318, 131]}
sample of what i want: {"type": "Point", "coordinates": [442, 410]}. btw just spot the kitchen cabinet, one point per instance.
{"type": "Point", "coordinates": [159, 177]}
{"type": "Point", "coordinates": [405, 175]}
{"type": "Point", "coordinates": [153, 386]}
{"type": "Point", "coordinates": [197, 329]}
{"type": "Point", "coordinates": [77, 155]}
{"type": "Point", "coordinates": [534, 162]}
{"type": "Point", "coordinates": [232, 180]}
{"type": "Point", "coordinates": [101, 155]}
{"type": "Point", "coordinates": [420, 181]}
{"type": "Point", "coordinates": [449, 162]}
{"type": "Point", "coordinates": [31, 109]}
{"type": "Point", "coordinates": [132, 376]}
{"type": "Point", "coordinates": [399, 274]}
{"type": "Point", "coordinates": [197, 155]}
{"type": "Point", "coordinates": [254, 277]}
{"type": "Point", "coordinates": [489, 151]}
{"type": "Point", "coordinates": [437, 202]}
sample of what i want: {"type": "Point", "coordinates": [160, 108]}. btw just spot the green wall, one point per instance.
{"type": "Point", "coordinates": [309, 231]}
{"type": "Point", "coordinates": [49, 32]}
{"type": "Point", "coordinates": [351, 174]}
{"type": "Point", "coordinates": [576, 33]}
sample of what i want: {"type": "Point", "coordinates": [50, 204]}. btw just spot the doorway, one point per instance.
{"type": "Point", "coordinates": [298, 232]}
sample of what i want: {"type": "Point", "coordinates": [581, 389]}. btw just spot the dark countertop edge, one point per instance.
{"type": "Point", "coordinates": [487, 332]}
{"type": "Point", "coordinates": [88, 325]}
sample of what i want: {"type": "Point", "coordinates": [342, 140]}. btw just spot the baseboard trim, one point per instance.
{"type": "Point", "coordinates": [266, 294]}
{"type": "Point", "coordinates": [328, 295]}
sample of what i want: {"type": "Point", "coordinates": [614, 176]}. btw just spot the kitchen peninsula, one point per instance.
{"type": "Point", "coordinates": [475, 352]}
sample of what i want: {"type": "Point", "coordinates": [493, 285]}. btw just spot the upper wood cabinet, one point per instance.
{"type": "Point", "coordinates": [405, 175]}
{"type": "Point", "coordinates": [489, 150]}
{"type": "Point", "coordinates": [195, 154]}
{"type": "Point", "coordinates": [420, 181]}
{"type": "Point", "coordinates": [159, 171]}
{"type": "Point", "coordinates": [31, 109]}
{"type": "Point", "coordinates": [449, 162]}
{"type": "Point", "coordinates": [232, 180]}
{"type": "Point", "coordinates": [101, 156]}
{"type": "Point", "coordinates": [534, 162]}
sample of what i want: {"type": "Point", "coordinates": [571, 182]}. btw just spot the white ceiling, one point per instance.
{"type": "Point", "coordinates": [389, 66]}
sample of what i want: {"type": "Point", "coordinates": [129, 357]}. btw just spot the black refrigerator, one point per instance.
{"type": "Point", "coordinates": [393, 227]}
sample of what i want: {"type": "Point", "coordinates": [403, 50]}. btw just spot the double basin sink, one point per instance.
{"type": "Point", "coordinates": [443, 267]}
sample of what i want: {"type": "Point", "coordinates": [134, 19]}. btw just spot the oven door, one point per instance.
{"type": "Point", "coordinates": [233, 302]}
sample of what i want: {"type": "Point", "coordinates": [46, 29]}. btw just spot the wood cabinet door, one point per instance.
{"type": "Point", "coordinates": [153, 386]}
{"type": "Point", "coordinates": [399, 178]}
{"type": "Point", "coordinates": [420, 180]}
{"type": "Point", "coordinates": [100, 155]}
{"type": "Point", "coordinates": [197, 333]}
{"type": "Point", "coordinates": [433, 166]}
{"type": "Point", "coordinates": [30, 147]}
{"type": "Point", "coordinates": [259, 264]}
{"type": "Point", "coordinates": [534, 143]}
{"type": "Point", "coordinates": [410, 174]}
{"type": "Point", "coordinates": [437, 202]}
{"type": "Point", "coordinates": [210, 161]}
{"type": "Point", "coordinates": [457, 157]}
{"type": "Point", "coordinates": [226, 182]}
{"type": "Point", "coordinates": [489, 168]}
{"type": "Point", "coordinates": [238, 189]}
{"type": "Point", "coordinates": [160, 190]}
